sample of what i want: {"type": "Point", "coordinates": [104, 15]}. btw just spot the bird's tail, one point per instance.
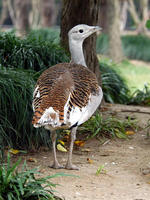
{"type": "Point", "coordinates": [37, 116]}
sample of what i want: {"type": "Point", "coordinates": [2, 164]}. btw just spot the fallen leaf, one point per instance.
{"type": "Point", "coordinates": [62, 142]}
{"type": "Point", "coordinates": [32, 160]}
{"type": "Point", "coordinates": [79, 143]}
{"type": "Point", "coordinates": [129, 132]}
{"type": "Point", "coordinates": [61, 148]}
{"type": "Point", "coordinates": [14, 151]}
{"type": "Point", "coordinates": [90, 161]}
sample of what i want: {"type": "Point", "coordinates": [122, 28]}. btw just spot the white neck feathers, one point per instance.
{"type": "Point", "coordinates": [76, 50]}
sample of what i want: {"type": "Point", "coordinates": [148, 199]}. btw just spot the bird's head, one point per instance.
{"type": "Point", "coordinates": [82, 31]}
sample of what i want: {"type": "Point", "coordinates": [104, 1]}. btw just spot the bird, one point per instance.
{"type": "Point", "coordinates": [67, 94]}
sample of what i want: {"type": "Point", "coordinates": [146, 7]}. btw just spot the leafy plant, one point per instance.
{"type": "Point", "coordinates": [23, 185]}
{"type": "Point", "coordinates": [114, 87]}
{"type": "Point", "coordinates": [141, 97]}
{"type": "Point", "coordinates": [111, 127]}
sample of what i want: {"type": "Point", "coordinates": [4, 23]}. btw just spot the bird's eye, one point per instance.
{"type": "Point", "coordinates": [81, 31]}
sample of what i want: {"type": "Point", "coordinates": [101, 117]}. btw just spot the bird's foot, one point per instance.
{"type": "Point", "coordinates": [56, 165]}
{"type": "Point", "coordinates": [71, 166]}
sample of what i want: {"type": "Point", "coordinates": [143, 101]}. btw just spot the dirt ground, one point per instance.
{"type": "Point", "coordinates": [126, 174]}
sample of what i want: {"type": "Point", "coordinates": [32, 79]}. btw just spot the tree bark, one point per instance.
{"type": "Point", "coordinates": [22, 8]}
{"type": "Point", "coordinates": [48, 13]}
{"type": "Point", "coordinates": [115, 46]}
{"type": "Point", "coordinates": [82, 12]}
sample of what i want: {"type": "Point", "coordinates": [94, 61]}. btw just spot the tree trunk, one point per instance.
{"type": "Point", "coordinates": [34, 17]}
{"type": "Point", "coordinates": [103, 22]}
{"type": "Point", "coordinates": [48, 13]}
{"type": "Point", "coordinates": [22, 8]}
{"type": "Point", "coordinates": [115, 46]}
{"type": "Point", "coordinates": [124, 14]}
{"type": "Point", "coordinates": [82, 12]}
{"type": "Point", "coordinates": [140, 23]}
{"type": "Point", "coordinates": [4, 12]}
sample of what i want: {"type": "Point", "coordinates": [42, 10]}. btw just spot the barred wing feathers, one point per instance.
{"type": "Point", "coordinates": [65, 95]}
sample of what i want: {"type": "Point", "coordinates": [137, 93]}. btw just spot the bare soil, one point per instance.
{"type": "Point", "coordinates": [126, 172]}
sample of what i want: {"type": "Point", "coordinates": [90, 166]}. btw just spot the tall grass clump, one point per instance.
{"type": "Point", "coordinates": [45, 34]}
{"type": "Point", "coordinates": [97, 126]}
{"type": "Point", "coordinates": [141, 97]}
{"type": "Point", "coordinates": [29, 53]}
{"type": "Point", "coordinates": [114, 87]}
{"type": "Point", "coordinates": [24, 184]}
{"type": "Point", "coordinates": [16, 89]}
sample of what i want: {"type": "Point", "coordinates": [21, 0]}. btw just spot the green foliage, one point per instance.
{"type": "Point", "coordinates": [134, 46]}
{"type": "Point", "coordinates": [148, 24]}
{"type": "Point", "coordinates": [110, 127]}
{"type": "Point", "coordinates": [141, 97]}
{"type": "Point", "coordinates": [16, 90]}
{"type": "Point", "coordinates": [102, 44]}
{"type": "Point", "coordinates": [30, 53]}
{"type": "Point", "coordinates": [45, 34]}
{"type": "Point", "coordinates": [24, 185]}
{"type": "Point", "coordinates": [114, 87]}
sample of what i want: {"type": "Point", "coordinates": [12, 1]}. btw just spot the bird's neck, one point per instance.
{"type": "Point", "coordinates": [76, 50]}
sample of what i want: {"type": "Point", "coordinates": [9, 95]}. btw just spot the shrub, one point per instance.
{"type": "Point", "coordinates": [24, 185]}
{"type": "Point", "coordinates": [30, 53]}
{"type": "Point", "coordinates": [97, 126]}
{"type": "Point", "coordinates": [16, 89]}
{"type": "Point", "coordinates": [141, 97]}
{"type": "Point", "coordinates": [136, 47]}
{"type": "Point", "coordinates": [114, 87]}
{"type": "Point", "coordinates": [45, 34]}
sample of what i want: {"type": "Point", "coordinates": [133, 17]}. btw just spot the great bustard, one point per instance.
{"type": "Point", "coordinates": [67, 94]}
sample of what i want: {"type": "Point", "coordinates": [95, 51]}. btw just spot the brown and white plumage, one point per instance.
{"type": "Point", "coordinates": [67, 94]}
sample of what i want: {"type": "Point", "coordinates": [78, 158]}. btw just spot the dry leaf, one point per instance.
{"type": "Point", "coordinates": [129, 132]}
{"type": "Point", "coordinates": [61, 148]}
{"type": "Point", "coordinates": [32, 160]}
{"type": "Point", "coordinates": [79, 143]}
{"type": "Point", "coordinates": [90, 161]}
{"type": "Point", "coordinates": [14, 151]}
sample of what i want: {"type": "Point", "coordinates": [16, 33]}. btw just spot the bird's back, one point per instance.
{"type": "Point", "coordinates": [63, 96]}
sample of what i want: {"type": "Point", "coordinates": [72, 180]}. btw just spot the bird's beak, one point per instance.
{"type": "Point", "coordinates": [96, 28]}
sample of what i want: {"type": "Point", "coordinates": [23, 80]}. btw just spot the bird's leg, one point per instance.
{"type": "Point", "coordinates": [69, 164]}
{"type": "Point", "coordinates": [55, 164]}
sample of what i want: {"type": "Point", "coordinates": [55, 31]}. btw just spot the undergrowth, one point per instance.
{"type": "Point", "coordinates": [16, 90]}
{"type": "Point", "coordinates": [97, 126]}
{"type": "Point", "coordinates": [114, 86]}
{"type": "Point", "coordinates": [24, 184]}
{"type": "Point", "coordinates": [29, 53]}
